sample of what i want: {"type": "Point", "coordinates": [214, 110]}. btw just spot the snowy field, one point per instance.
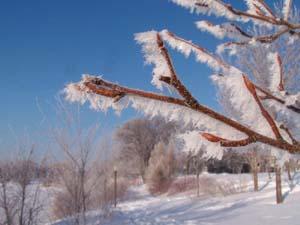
{"type": "Point", "coordinates": [246, 208]}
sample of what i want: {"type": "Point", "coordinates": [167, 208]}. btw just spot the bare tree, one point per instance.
{"type": "Point", "coordinates": [76, 172]}
{"type": "Point", "coordinates": [7, 203]}
{"type": "Point", "coordinates": [254, 162]}
{"type": "Point", "coordinates": [137, 139]}
{"type": "Point", "coordinates": [20, 198]}
{"type": "Point", "coordinates": [279, 197]}
{"type": "Point", "coordinates": [82, 172]}
{"type": "Point", "coordinates": [197, 164]}
{"type": "Point", "coordinates": [290, 167]}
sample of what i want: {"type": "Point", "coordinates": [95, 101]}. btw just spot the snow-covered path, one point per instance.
{"type": "Point", "coordinates": [240, 209]}
{"type": "Point", "coordinates": [247, 208]}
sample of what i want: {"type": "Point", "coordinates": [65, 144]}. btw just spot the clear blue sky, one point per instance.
{"type": "Point", "coordinates": [46, 44]}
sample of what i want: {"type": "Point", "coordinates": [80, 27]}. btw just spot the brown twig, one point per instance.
{"type": "Point", "coordinates": [280, 85]}
{"type": "Point", "coordinates": [201, 49]}
{"type": "Point", "coordinates": [174, 81]}
{"type": "Point", "coordinates": [267, 8]}
{"type": "Point", "coordinates": [294, 141]}
{"type": "Point", "coordinates": [228, 143]}
{"type": "Point", "coordinates": [236, 12]}
{"type": "Point", "coordinates": [268, 95]}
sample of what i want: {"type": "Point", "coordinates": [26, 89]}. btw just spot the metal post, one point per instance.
{"type": "Point", "coordinates": [198, 185]}
{"type": "Point", "coordinates": [198, 174]}
{"type": "Point", "coordinates": [115, 186]}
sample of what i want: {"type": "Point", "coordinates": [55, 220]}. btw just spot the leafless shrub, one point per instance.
{"type": "Point", "coordinates": [63, 205]}
{"type": "Point", "coordinates": [74, 179]}
{"type": "Point", "coordinates": [209, 186]}
{"type": "Point", "coordinates": [100, 192]}
{"type": "Point", "coordinates": [182, 184]}
{"type": "Point", "coordinates": [105, 196]}
{"type": "Point", "coordinates": [47, 172]}
{"type": "Point", "coordinates": [75, 176]}
{"type": "Point", "coordinates": [223, 188]}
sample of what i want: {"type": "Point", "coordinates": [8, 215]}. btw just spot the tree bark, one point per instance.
{"type": "Point", "coordinates": [279, 198]}
{"type": "Point", "coordinates": [5, 204]}
{"type": "Point", "coordinates": [288, 168]}
{"type": "Point", "coordinates": [255, 179]}
{"type": "Point", "coordinates": [254, 169]}
{"type": "Point", "coordinates": [269, 173]}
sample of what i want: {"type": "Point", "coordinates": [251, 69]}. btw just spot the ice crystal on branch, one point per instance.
{"type": "Point", "coordinates": [287, 8]}
{"type": "Point", "coordinates": [221, 31]}
{"type": "Point", "coordinates": [152, 53]}
{"type": "Point", "coordinates": [193, 141]}
{"type": "Point", "coordinates": [215, 7]}
{"type": "Point", "coordinates": [259, 8]}
{"type": "Point", "coordinates": [276, 72]}
{"type": "Point", "coordinates": [79, 92]}
{"type": "Point", "coordinates": [234, 93]}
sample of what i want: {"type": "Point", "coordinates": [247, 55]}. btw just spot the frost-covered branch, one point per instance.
{"type": "Point", "coordinates": [221, 31]}
{"type": "Point", "coordinates": [228, 143]}
{"type": "Point", "coordinates": [287, 8]}
{"type": "Point", "coordinates": [98, 86]}
{"type": "Point", "coordinates": [261, 113]}
{"type": "Point", "coordinates": [259, 7]}
{"type": "Point", "coordinates": [258, 12]}
{"type": "Point", "coordinates": [276, 70]}
{"type": "Point", "coordinates": [202, 55]}
{"type": "Point", "coordinates": [267, 95]}
{"type": "Point", "coordinates": [251, 87]}
{"type": "Point", "coordinates": [295, 142]}
{"type": "Point", "coordinates": [173, 80]}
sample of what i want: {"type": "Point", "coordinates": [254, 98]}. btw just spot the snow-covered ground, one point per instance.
{"type": "Point", "coordinates": [247, 208]}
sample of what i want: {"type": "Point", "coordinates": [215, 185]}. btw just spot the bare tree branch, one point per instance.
{"type": "Point", "coordinates": [262, 14]}
{"type": "Point", "coordinates": [295, 142]}
{"type": "Point", "coordinates": [102, 87]}
{"type": "Point", "coordinates": [226, 142]}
